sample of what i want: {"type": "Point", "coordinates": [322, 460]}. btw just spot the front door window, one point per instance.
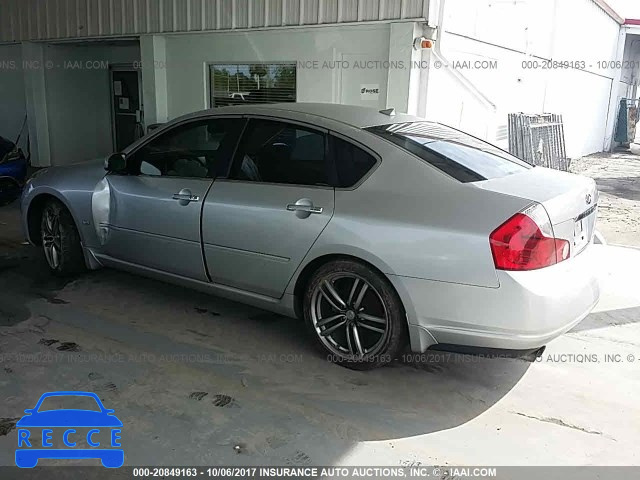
{"type": "Point", "coordinates": [200, 149]}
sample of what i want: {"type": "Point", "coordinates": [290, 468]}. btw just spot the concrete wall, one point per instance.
{"type": "Point", "coordinates": [68, 94]}
{"type": "Point", "coordinates": [72, 105]}
{"type": "Point", "coordinates": [13, 107]}
{"type": "Point", "coordinates": [80, 104]}
{"type": "Point", "coordinates": [178, 65]}
{"type": "Point", "coordinates": [510, 33]}
{"type": "Point", "coordinates": [69, 99]}
{"type": "Point", "coordinates": [631, 67]}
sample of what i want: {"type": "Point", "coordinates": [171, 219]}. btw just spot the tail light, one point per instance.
{"type": "Point", "coordinates": [526, 242]}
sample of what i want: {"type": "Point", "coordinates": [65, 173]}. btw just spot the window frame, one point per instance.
{"type": "Point", "coordinates": [173, 126]}
{"type": "Point", "coordinates": [209, 80]}
{"type": "Point", "coordinates": [328, 158]}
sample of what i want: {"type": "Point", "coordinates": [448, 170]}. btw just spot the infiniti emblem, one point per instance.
{"type": "Point", "coordinates": [588, 198]}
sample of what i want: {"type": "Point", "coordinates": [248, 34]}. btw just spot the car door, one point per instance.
{"type": "Point", "coordinates": [156, 206]}
{"type": "Point", "coordinates": [260, 222]}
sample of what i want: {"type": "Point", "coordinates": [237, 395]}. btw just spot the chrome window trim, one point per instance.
{"type": "Point", "coordinates": [272, 184]}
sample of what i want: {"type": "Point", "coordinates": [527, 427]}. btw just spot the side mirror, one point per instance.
{"type": "Point", "coordinates": [12, 156]}
{"type": "Point", "coordinates": [29, 410]}
{"type": "Point", "coordinates": [154, 126]}
{"type": "Point", "coordinates": [116, 163]}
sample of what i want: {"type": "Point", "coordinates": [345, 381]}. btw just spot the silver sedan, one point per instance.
{"type": "Point", "coordinates": [379, 230]}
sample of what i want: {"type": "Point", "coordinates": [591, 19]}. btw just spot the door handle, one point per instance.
{"type": "Point", "coordinates": [303, 208]}
{"type": "Point", "coordinates": [186, 197]}
{"type": "Point", "coordinates": [294, 207]}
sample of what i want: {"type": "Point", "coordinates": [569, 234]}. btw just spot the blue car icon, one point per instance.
{"type": "Point", "coordinates": [35, 431]}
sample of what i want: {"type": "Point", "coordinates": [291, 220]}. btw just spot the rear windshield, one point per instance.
{"type": "Point", "coordinates": [465, 158]}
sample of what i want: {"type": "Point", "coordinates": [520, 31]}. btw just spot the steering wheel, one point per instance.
{"type": "Point", "coordinates": [187, 165]}
{"type": "Point", "coordinates": [192, 157]}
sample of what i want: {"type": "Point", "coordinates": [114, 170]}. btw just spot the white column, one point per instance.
{"type": "Point", "coordinates": [13, 106]}
{"type": "Point", "coordinates": [404, 77]}
{"type": "Point", "coordinates": [614, 99]}
{"type": "Point", "coordinates": [35, 69]}
{"type": "Point", "coordinates": [153, 56]}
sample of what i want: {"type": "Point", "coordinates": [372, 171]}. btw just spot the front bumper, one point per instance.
{"type": "Point", "coordinates": [526, 311]}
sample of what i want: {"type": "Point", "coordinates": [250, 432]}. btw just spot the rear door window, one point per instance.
{"type": "Point", "coordinates": [279, 152]}
{"type": "Point", "coordinates": [352, 162]}
{"type": "Point", "coordinates": [462, 156]}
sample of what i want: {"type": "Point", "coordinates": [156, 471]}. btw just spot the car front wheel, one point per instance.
{"type": "Point", "coordinates": [60, 240]}
{"type": "Point", "coordinates": [355, 315]}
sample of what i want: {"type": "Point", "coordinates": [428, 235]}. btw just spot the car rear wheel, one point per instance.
{"type": "Point", "coordinates": [60, 240]}
{"type": "Point", "coordinates": [355, 315]}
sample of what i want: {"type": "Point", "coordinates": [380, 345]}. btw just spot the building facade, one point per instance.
{"type": "Point", "coordinates": [92, 75]}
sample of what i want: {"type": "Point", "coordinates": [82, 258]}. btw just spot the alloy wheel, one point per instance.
{"type": "Point", "coordinates": [51, 238]}
{"type": "Point", "coordinates": [349, 316]}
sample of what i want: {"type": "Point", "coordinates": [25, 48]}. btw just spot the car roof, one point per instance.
{"type": "Point", "coordinates": [352, 115]}
{"type": "Point", "coordinates": [326, 115]}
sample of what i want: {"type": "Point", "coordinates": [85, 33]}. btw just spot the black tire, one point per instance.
{"type": "Point", "coordinates": [58, 228]}
{"type": "Point", "coordinates": [9, 191]}
{"type": "Point", "coordinates": [7, 201]}
{"type": "Point", "coordinates": [379, 296]}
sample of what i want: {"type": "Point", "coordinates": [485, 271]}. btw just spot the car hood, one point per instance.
{"type": "Point", "coordinates": [77, 176]}
{"type": "Point", "coordinates": [93, 164]}
{"type": "Point", "coordinates": [69, 418]}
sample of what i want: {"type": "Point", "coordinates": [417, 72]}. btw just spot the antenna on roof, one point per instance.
{"type": "Point", "coordinates": [388, 111]}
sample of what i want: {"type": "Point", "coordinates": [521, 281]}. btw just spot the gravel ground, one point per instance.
{"type": "Point", "coordinates": [618, 178]}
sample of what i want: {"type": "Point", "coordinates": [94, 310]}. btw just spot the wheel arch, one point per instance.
{"type": "Point", "coordinates": [7, 178]}
{"type": "Point", "coordinates": [306, 272]}
{"type": "Point", "coordinates": [34, 215]}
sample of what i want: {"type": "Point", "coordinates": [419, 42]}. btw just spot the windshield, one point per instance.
{"type": "Point", "coordinates": [5, 148]}
{"type": "Point", "coordinates": [69, 402]}
{"type": "Point", "coordinates": [464, 157]}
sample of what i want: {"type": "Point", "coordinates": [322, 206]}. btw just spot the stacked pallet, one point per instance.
{"type": "Point", "coordinates": [538, 139]}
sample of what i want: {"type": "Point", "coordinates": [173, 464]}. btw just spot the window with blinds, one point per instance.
{"type": "Point", "coordinates": [243, 83]}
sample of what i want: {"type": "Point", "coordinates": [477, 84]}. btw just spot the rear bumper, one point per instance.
{"type": "Point", "coordinates": [526, 311]}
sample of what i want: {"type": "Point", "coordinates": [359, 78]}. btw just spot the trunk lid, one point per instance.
{"type": "Point", "coordinates": [570, 200]}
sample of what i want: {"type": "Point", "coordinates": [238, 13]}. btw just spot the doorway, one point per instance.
{"type": "Point", "coordinates": [126, 106]}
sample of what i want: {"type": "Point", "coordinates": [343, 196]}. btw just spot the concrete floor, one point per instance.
{"type": "Point", "coordinates": [618, 177]}
{"type": "Point", "coordinates": [192, 376]}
